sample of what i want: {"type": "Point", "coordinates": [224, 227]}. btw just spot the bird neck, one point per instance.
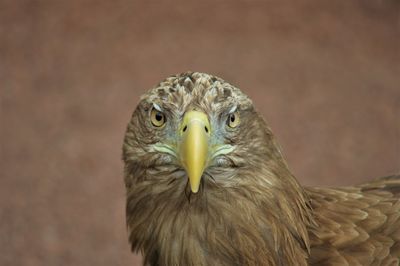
{"type": "Point", "coordinates": [263, 220]}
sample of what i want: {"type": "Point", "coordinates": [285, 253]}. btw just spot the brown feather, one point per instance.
{"type": "Point", "coordinates": [358, 224]}
{"type": "Point", "coordinates": [250, 210]}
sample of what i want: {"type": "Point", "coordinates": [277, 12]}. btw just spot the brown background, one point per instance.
{"type": "Point", "coordinates": [324, 73]}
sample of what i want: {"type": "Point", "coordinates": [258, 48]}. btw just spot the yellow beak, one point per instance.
{"type": "Point", "coordinates": [195, 131]}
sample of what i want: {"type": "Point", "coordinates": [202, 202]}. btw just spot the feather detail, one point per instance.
{"type": "Point", "coordinates": [359, 225]}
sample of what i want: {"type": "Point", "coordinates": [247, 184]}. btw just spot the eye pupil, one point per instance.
{"type": "Point", "coordinates": [232, 118]}
{"type": "Point", "coordinates": [159, 116]}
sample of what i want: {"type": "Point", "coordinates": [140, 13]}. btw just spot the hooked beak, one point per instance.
{"type": "Point", "coordinates": [194, 147]}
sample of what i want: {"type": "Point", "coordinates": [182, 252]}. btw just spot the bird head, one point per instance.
{"type": "Point", "coordinates": [200, 125]}
{"type": "Point", "coordinates": [202, 166]}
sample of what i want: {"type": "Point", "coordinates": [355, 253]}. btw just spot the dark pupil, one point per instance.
{"type": "Point", "coordinates": [159, 117]}
{"type": "Point", "coordinates": [232, 118]}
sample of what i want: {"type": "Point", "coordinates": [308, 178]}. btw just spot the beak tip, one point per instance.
{"type": "Point", "coordinates": [194, 186]}
{"type": "Point", "coordinates": [195, 190]}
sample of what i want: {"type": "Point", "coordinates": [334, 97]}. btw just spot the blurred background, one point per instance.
{"type": "Point", "coordinates": [325, 74]}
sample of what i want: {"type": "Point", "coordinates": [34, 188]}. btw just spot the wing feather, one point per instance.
{"type": "Point", "coordinates": [358, 225]}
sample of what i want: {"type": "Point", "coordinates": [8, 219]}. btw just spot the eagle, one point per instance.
{"type": "Point", "coordinates": [206, 184]}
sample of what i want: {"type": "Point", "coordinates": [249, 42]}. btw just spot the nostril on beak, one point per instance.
{"type": "Point", "coordinates": [206, 129]}
{"type": "Point", "coordinates": [184, 128]}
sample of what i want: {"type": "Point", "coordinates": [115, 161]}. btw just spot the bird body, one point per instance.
{"type": "Point", "coordinates": [207, 185]}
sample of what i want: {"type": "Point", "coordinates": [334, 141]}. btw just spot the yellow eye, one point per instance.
{"type": "Point", "coordinates": [157, 118]}
{"type": "Point", "coordinates": [233, 120]}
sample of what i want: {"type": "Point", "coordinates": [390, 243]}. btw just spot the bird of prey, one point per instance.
{"type": "Point", "coordinates": [207, 185]}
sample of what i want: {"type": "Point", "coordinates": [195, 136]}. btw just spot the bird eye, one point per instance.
{"type": "Point", "coordinates": [233, 120]}
{"type": "Point", "coordinates": [157, 118]}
